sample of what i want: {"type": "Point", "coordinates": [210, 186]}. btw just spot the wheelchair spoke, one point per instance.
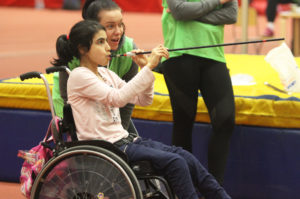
{"type": "Point", "coordinates": [57, 187]}
{"type": "Point", "coordinates": [83, 169]}
{"type": "Point", "coordinates": [69, 173]}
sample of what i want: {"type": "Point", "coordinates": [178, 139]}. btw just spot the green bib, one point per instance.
{"type": "Point", "coordinates": [184, 34]}
{"type": "Point", "coordinates": [121, 65]}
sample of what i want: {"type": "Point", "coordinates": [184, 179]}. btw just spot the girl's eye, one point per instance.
{"type": "Point", "coordinates": [100, 41]}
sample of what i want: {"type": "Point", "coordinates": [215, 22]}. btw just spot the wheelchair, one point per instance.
{"type": "Point", "coordinates": [92, 169]}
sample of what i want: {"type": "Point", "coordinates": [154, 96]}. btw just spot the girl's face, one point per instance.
{"type": "Point", "coordinates": [99, 52]}
{"type": "Point", "coordinates": [112, 20]}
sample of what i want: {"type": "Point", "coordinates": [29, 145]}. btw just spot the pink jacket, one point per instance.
{"type": "Point", "coordinates": [95, 103]}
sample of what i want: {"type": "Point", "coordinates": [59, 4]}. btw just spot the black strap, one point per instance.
{"type": "Point", "coordinates": [126, 140]}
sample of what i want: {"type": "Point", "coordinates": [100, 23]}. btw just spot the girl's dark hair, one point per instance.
{"type": "Point", "coordinates": [81, 35]}
{"type": "Point", "coordinates": [91, 8]}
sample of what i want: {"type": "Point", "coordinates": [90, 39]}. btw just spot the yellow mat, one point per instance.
{"type": "Point", "coordinates": [256, 104]}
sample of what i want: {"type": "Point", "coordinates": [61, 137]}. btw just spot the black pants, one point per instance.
{"type": "Point", "coordinates": [272, 8]}
{"type": "Point", "coordinates": [184, 76]}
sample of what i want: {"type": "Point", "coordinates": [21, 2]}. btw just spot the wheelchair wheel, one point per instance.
{"type": "Point", "coordinates": [86, 172]}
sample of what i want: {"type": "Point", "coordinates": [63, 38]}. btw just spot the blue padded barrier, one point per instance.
{"type": "Point", "coordinates": [20, 129]}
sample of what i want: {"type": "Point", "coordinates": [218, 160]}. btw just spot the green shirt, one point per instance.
{"type": "Point", "coordinates": [121, 65]}
{"type": "Point", "coordinates": [183, 34]}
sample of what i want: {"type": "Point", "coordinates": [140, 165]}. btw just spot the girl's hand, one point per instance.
{"type": "Point", "coordinates": [156, 55]}
{"type": "Point", "coordinates": [141, 60]}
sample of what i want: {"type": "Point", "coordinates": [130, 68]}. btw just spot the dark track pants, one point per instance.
{"type": "Point", "coordinates": [185, 76]}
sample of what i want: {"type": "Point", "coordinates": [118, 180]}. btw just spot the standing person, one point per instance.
{"type": "Point", "coordinates": [95, 93]}
{"type": "Point", "coordinates": [271, 12]}
{"type": "Point", "coordinates": [188, 23]}
{"type": "Point", "coordinates": [109, 14]}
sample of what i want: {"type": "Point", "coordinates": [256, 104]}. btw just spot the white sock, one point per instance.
{"type": "Point", "coordinates": [270, 25]}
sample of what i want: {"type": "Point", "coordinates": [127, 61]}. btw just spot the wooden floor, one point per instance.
{"type": "Point", "coordinates": [10, 191]}
{"type": "Point", "coordinates": [28, 36]}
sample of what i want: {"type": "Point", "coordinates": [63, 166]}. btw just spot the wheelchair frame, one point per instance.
{"type": "Point", "coordinates": [137, 174]}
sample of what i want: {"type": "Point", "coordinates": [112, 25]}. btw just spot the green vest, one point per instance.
{"type": "Point", "coordinates": [121, 65]}
{"type": "Point", "coordinates": [183, 34]}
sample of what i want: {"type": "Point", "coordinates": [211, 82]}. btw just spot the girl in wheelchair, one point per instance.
{"type": "Point", "coordinates": [95, 95]}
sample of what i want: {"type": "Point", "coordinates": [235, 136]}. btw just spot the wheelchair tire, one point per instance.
{"type": "Point", "coordinates": [86, 172]}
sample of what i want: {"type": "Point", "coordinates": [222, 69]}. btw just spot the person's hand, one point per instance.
{"type": "Point", "coordinates": [224, 1]}
{"type": "Point", "coordinates": [156, 55]}
{"type": "Point", "coordinates": [141, 60]}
